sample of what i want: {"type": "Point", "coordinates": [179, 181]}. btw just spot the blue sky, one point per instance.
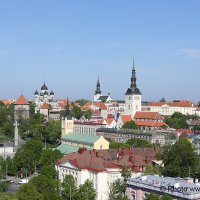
{"type": "Point", "coordinates": [69, 43]}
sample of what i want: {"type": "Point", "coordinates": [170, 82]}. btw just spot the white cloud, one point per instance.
{"type": "Point", "coordinates": [189, 52]}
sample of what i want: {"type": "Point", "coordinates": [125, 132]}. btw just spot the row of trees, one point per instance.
{"type": "Point", "coordinates": [133, 142]}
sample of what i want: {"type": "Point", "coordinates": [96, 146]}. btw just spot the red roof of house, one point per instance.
{"type": "Point", "coordinates": [150, 123]}
{"type": "Point", "coordinates": [126, 118]}
{"type": "Point", "coordinates": [7, 102]}
{"type": "Point", "coordinates": [110, 116]}
{"type": "Point", "coordinates": [21, 101]}
{"type": "Point", "coordinates": [100, 160]}
{"type": "Point", "coordinates": [187, 131]}
{"type": "Point", "coordinates": [109, 121]}
{"type": "Point", "coordinates": [148, 115]}
{"type": "Point", "coordinates": [183, 103]}
{"type": "Point", "coordinates": [45, 106]}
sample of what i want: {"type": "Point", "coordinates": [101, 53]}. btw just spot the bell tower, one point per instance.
{"type": "Point", "coordinates": [133, 96]}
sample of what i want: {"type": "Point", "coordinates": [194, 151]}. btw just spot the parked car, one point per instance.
{"type": "Point", "coordinates": [23, 181]}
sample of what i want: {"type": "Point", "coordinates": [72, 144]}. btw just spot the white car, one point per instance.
{"type": "Point", "coordinates": [23, 181]}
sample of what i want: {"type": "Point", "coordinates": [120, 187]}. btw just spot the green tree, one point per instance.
{"type": "Point", "coordinates": [82, 101]}
{"type": "Point", "coordinates": [27, 157]}
{"type": "Point", "coordinates": [152, 196]}
{"type": "Point", "coordinates": [49, 171]}
{"type": "Point", "coordinates": [86, 191]}
{"type": "Point", "coordinates": [29, 191]}
{"type": "Point", "coordinates": [52, 131]}
{"type": "Point", "coordinates": [180, 160]}
{"type": "Point", "coordinates": [162, 100]}
{"type": "Point", "coordinates": [177, 121]}
{"type": "Point", "coordinates": [88, 114]}
{"type": "Point", "coordinates": [115, 145]}
{"type": "Point", "coordinates": [77, 112]}
{"type": "Point", "coordinates": [130, 125]}
{"type": "Point", "coordinates": [153, 169]}
{"type": "Point", "coordinates": [166, 197]}
{"type": "Point", "coordinates": [136, 142]}
{"type": "Point", "coordinates": [197, 128]}
{"type": "Point", "coordinates": [49, 157]}
{"type": "Point", "coordinates": [8, 196]}
{"type": "Point", "coordinates": [69, 187]}
{"type": "Point", "coordinates": [117, 191]}
{"type": "Point", "coordinates": [118, 188]}
{"type": "Point", "coordinates": [48, 187]}
{"type": "Point", "coordinates": [4, 186]}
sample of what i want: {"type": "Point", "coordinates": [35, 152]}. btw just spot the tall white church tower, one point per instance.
{"type": "Point", "coordinates": [133, 96]}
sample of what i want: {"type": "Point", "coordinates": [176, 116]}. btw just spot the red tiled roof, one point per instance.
{"type": "Point", "coordinates": [150, 123]}
{"type": "Point", "coordinates": [148, 115]}
{"type": "Point", "coordinates": [110, 116]}
{"type": "Point", "coordinates": [126, 118]}
{"type": "Point", "coordinates": [63, 102]}
{"type": "Point", "coordinates": [21, 101]}
{"type": "Point", "coordinates": [44, 106]}
{"type": "Point", "coordinates": [100, 160]}
{"type": "Point", "coordinates": [109, 121]}
{"type": "Point", "coordinates": [183, 103]}
{"type": "Point", "coordinates": [187, 131]}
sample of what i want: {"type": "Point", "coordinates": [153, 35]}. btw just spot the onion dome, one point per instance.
{"type": "Point", "coordinates": [36, 93]}
{"type": "Point", "coordinates": [52, 93]}
{"type": "Point", "coordinates": [44, 87]}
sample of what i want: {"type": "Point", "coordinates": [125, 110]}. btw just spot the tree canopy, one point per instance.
{"type": "Point", "coordinates": [177, 121]}
{"type": "Point", "coordinates": [130, 125]}
{"type": "Point", "coordinates": [180, 159]}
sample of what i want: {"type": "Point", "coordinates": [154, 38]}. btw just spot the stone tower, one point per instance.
{"type": "Point", "coordinates": [21, 109]}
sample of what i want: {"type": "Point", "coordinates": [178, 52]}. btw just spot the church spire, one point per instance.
{"type": "Point", "coordinates": [133, 88]}
{"type": "Point", "coordinates": [98, 89]}
{"type": "Point", "coordinates": [67, 111]}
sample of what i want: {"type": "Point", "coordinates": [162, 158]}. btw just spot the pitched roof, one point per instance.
{"type": "Point", "coordinates": [81, 138]}
{"type": "Point", "coordinates": [150, 123]}
{"type": "Point", "coordinates": [44, 106]}
{"type": "Point", "coordinates": [183, 103]}
{"type": "Point", "coordinates": [148, 115]}
{"type": "Point", "coordinates": [66, 149]}
{"type": "Point", "coordinates": [21, 101]}
{"type": "Point", "coordinates": [100, 160]}
{"type": "Point", "coordinates": [7, 102]}
{"type": "Point", "coordinates": [126, 118]}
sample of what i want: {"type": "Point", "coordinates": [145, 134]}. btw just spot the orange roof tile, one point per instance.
{"type": "Point", "coordinates": [44, 106]}
{"type": "Point", "coordinates": [148, 115]}
{"type": "Point", "coordinates": [183, 103]}
{"type": "Point", "coordinates": [150, 123]}
{"type": "Point", "coordinates": [21, 101]}
{"type": "Point", "coordinates": [126, 118]}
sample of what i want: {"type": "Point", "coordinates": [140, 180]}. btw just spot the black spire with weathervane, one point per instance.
{"type": "Point", "coordinates": [68, 114]}
{"type": "Point", "coordinates": [44, 87]}
{"type": "Point", "coordinates": [98, 89]}
{"type": "Point", "coordinates": [133, 88]}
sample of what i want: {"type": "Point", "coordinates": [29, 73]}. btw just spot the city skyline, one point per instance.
{"type": "Point", "coordinates": [70, 44]}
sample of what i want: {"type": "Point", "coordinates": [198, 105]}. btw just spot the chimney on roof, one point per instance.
{"type": "Point", "coordinates": [94, 151]}
{"type": "Point", "coordinates": [82, 150]}
{"type": "Point", "coordinates": [132, 159]}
